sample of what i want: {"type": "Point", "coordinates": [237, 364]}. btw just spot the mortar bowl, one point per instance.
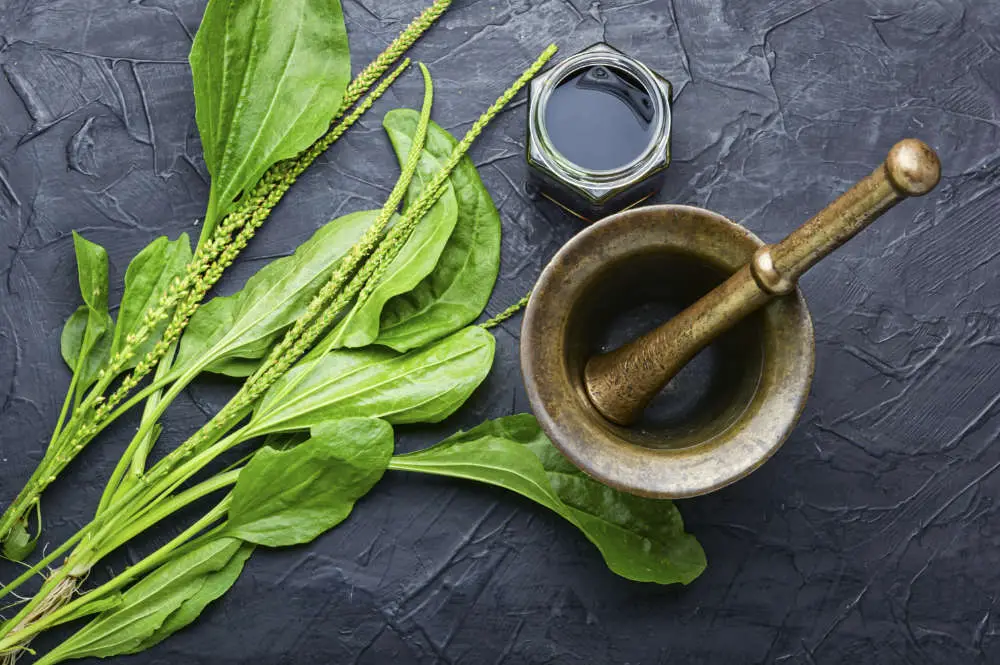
{"type": "Point", "coordinates": [725, 414]}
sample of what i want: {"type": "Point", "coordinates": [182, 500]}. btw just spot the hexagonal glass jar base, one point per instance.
{"type": "Point", "coordinates": [586, 209]}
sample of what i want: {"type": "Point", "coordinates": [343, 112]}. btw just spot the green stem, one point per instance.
{"type": "Point", "coordinates": [51, 466]}
{"type": "Point", "coordinates": [186, 470]}
{"type": "Point", "coordinates": [38, 568]}
{"type": "Point", "coordinates": [207, 536]}
{"type": "Point", "coordinates": [57, 457]}
{"type": "Point", "coordinates": [27, 497]}
{"type": "Point", "coordinates": [77, 564]}
{"type": "Point", "coordinates": [70, 392]}
{"type": "Point", "coordinates": [138, 464]}
{"type": "Point", "coordinates": [73, 609]}
{"type": "Point", "coordinates": [156, 385]}
{"type": "Point", "coordinates": [131, 513]}
{"type": "Point", "coordinates": [152, 412]}
{"type": "Point", "coordinates": [211, 213]}
{"type": "Point", "coordinates": [96, 530]}
{"type": "Point", "coordinates": [135, 527]}
{"type": "Point", "coordinates": [161, 510]}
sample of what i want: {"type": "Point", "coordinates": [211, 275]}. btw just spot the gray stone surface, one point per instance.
{"type": "Point", "coordinates": [872, 537]}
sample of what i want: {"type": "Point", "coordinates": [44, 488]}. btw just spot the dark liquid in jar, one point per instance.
{"type": "Point", "coordinates": [600, 118]}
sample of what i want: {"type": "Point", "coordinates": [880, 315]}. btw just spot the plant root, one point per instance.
{"type": "Point", "coordinates": [61, 594]}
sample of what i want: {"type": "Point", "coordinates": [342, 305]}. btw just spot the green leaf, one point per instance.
{"type": "Point", "coordinates": [640, 539]}
{"type": "Point", "coordinates": [19, 543]}
{"type": "Point", "coordinates": [415, 260]}
{"type": "Point", "coordinates": [457, 290]}
{"type": "Point", "coordinates": [290, 497]}
{"type": "Point", "coordinates": [149, 604]}
{"type": "Point", "coordinates": [71, 341]}
{"type": "Point", "coordinates": [421, 386]}
{"type": "Point", "coordinates": [92, 269]}
{"type": "Point", "coordinates": [147, 277]}
{"type": "Point", "coordinates": [269, 75]}
{"type": "Point", "coordinates": [214, 586]}
{"type": "Point", "coordinates": [235, 332]}
{"type": "Point", "coordinates": [85, 341]}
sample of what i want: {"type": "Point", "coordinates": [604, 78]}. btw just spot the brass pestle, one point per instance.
{"type": "Point", "coordinates": [621, 383]}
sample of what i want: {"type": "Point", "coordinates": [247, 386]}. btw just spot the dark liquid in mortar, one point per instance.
{"type": "Point", "coordinates": [600, 118]}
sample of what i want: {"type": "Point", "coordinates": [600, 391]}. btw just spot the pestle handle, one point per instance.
{"type": "Point", "coordinates": [622, 382]}
{"type": "Point", "coordinates": [911, 169]}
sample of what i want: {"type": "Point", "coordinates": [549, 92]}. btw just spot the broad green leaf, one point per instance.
{"type": "Point", "coordinates": [640, 539]}
{"type": "Point", "coordinates": [215, 585]}
{"type": "Point", "coordinates": [147, 606]}
{"type": "Point", "coordinates": [147, 277]}
{"type": "Point", "coordinates": [290, 497]}
{"type": "Point", "coordinates": [456, 292]}
{"type": "Point", "coordinates": [235, 332]}
{"type": "Point", "coordinates": [269, 76]}
{"type": "Point", "coordinates": [416, 259]}
{"type": "Point", "coordinates": [637, 536]}
{"type": "Point", "coordinates": [86, 337]}
{"type": "Point", "coordinates": [422, 386]}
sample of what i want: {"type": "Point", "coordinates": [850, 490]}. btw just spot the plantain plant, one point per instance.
{"type": "Point", "coordinates": [252, 63]}
{"type": "Point", "coordinates": [366, 327]}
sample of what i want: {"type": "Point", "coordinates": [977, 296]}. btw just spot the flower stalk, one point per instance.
{"type": "Point", "coordinates": [157, 495]}
{"type": "Point", "coordinates": [185, 293]}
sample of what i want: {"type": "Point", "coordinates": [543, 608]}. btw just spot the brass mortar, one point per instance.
{"type": "Point", "coordinates": [732, 292]}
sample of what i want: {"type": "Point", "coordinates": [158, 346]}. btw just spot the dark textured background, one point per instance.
{"type": "Point", "coordinates": [872, 537]}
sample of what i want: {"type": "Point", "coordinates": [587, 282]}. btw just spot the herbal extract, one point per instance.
{"type": "Point", "coordinates": [599, 132]}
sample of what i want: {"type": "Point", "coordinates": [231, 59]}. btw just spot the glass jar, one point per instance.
{"type": "Point", "coordinates": [599, 132]}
